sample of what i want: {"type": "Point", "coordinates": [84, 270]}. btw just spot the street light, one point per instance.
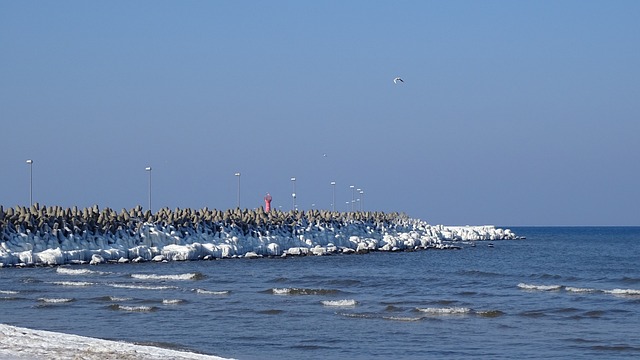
{"type": "Point", "coordinates": [361, 200]}
{"type": "Point", "coordinates": [238, 175]}
{"type": "Point", "coordinates": [358, 200]}
{"type": "Point", "coordinates": [148, 168]}
{"type": "Point", "coordinates": [30, 162]}
{"type": "Point", "coordinates": [333, 196]}
{"type": "Point", "coordinates": [353, 196]}
{"type": "Point", "coordinates": [293, 194]}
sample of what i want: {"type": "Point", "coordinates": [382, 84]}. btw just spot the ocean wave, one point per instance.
{"type": "Point", "coordinates": [172, 301]}
{"type": "Point", "coordinates": [445, 311]}
{"type": "Point", "coordinates": [56, 300]}
{"type": "Point", "coordinates": [623, 292]}
{"type": "Point", "coordinates": [630, 280]}
{"type": "Point", "coordinates": [69, 271]}
{"type": "Point", "coordinates": [210, 292]}
{"type": "Point", "coordinates": [73, 283]}
{"type": "Point", "coordinates": [580, 290]}
{"type": "Point", "coordinates": [141, 287]}
{"type": "Point", "coordinates": [547, 276]}
{"type": "Point", "coordinates": [8, 292]}
{"type": "Point", "coordinates": [114, 298]}
{"type": "Point", "coordinates": [340, 303]}
{"type": "Point", "coordinates": [302, 291]}
{"type": "Point", "coordinates": [539, 287]}
{"type": "Point", "coordinates": [132, 308]}
{"type": "Point", "coordinates": [490, 313]}
{"type": "Point", "coordinates": [479, 273]}
{"type": "Point", "coordinates": [188, 276]}
{"type": "Point", "coordinates": [271, 312]}
{"type": "Point", "coordinates": [402, 318]}
{"type": "Point", "coordinates": [358, 315]}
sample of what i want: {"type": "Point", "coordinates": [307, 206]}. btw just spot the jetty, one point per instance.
{"type": "Point", "coordinates": [52, 235]}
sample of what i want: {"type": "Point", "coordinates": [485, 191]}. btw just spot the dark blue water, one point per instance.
{"type": "Point", "coordinates": [561, 293]}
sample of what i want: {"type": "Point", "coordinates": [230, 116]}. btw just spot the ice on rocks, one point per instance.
{"type": "Point", "coordinates": [225, 235]}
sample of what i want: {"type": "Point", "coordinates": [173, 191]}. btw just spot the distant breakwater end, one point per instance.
{"type": "Point", "coordinates": [41, 235]}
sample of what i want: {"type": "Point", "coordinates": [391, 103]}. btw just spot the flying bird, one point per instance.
{"type": "Point", "coordinates": [395, 81]}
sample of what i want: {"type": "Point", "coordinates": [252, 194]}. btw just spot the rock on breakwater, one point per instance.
{"type": "Point", "coordinates": [41, 235]}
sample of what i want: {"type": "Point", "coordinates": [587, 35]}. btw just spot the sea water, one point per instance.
{"type": "Point", "coordinates": [561, 293]}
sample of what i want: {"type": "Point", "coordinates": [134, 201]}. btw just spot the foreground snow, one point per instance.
{"type": "Point", "coordinates": [22, 343]}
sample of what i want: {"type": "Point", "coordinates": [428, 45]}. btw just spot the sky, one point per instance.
{"type": "Point", "coordinates": [511, 113]}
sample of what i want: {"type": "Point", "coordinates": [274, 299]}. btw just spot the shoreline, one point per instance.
{"type": "Point", "coordinates": [23, 343]}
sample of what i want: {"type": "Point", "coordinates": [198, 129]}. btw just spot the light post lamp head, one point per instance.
{"type": "Point", "coordinates": [29, 161]}
{"type": "Point", "coordinates": [148, 168]}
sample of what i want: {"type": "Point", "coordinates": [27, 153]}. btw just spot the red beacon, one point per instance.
{"type": "Point", "coordinates": [267, 202]}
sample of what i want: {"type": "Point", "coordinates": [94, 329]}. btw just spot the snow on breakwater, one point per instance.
{"type": "Point", "coordinates": [42, 235]}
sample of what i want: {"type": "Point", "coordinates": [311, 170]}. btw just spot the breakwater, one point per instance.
{"type": "Point", "coordinates": [41, 235]}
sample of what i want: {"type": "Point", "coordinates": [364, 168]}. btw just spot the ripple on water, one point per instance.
{"type": "Point", "coordinates": [73, 283]}
{"type": "Point", "coordinates": [69, 271]}
{"type": "Point", "coordinates": [302, 291]}
{"type": "Point", "coordinates": [177, 277]}
{"type": "Point", "coordinates": [271, 312]}
{"type": "Point", "coordinates": [56, 300]}
{"type": "Point", "coordinates": [127, 308]}
{"type": "Point", "coordinates": [340, 303]}
{"type": "Point", "coordinates": [490, 313]}
{"type": "Point", "coordinates": [172, 301]}
{"type": "Point", "coordinates": [445, 310]}
{"type": "Point", "coordinates": [211, 292]}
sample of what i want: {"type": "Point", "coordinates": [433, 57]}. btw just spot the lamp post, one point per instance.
{"type": "Point", "coordinates": [293, 194]}
{"type": "Point", "coordinates": [333, 196]}
{"type": "Point", "coordinates": [148, 169]}
{"type": "Point", "coordinates": [353, 196]}
{"type": "Point", "coordinates": [361, 200]}
{"type": "Point", "coordinates": [358, 199]}
{"type": "Point", "coordinates": [30, 162]}
{"type": "Point", "coordinates": [238, 176]}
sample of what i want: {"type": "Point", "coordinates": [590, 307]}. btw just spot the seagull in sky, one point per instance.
{"type": "Point", "coordinates": [396, 80]}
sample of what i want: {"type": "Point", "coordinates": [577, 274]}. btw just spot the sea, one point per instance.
{"type": "Point", "coordinates": [563, 292]}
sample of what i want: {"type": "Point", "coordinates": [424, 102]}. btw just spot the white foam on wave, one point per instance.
{"type": "Point", "coordinates": [172, 301]}
{"type": "Point", "coordinates": [115, 298]}
{"type": "Point", "coordinates": [10, 292]}
{"type": "Point", "coordinates": [445, 311]}
{"type": "Point", "coordinates": [209, 292]}
{"type": "Point", "coordinates": [188, 276]}
{"type": "Point", "coordinates": [539, 287]}
{"type": "Point", "coordinates": [68, 271]}
{"type": "Point", "coordinates": [340, 303]}
{"type": "Point", "coordinates": [281, 291]}
{"type": "Point", "coordinates": [73, 283]}
{"type": "Point", "coordinates": [623, 292]}
{"type": "Point", "coordinates": [141, 287]}
{"type": "Point", "coordinates": [580, 290]}
{"type": "Point", "coordinates": [55, 300]}
{"type": "Point", "coordinates": [402, 318]}
{"type": "Point", "coordinates": [135, 308]}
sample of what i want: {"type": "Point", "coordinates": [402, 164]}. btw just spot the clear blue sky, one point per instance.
{"type": "Point", "coordinates": [511, 113]}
